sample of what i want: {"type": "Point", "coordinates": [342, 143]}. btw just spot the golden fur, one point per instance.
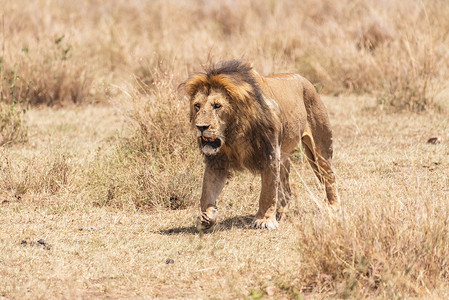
{"type": "Point", "coordinates": [244, 120]}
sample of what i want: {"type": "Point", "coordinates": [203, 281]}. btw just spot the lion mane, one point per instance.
{"type": "Point", "coordinates": [252, 126]}
{"type": "Point", "coordinates": [245, 120]}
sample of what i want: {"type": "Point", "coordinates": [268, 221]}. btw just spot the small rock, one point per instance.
{"type": "Point", "coordinates": [90, 228]}
{"type": "Point", "coordinates": [434, 140]}
{"type": "Point", "coordinates": [169, 261]}
{"type": "Point", "coordinates": [271, 290]}
{"type": "Point", "coordinates": [40, 242]}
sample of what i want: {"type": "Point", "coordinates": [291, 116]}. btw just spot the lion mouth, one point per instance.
{"type": "Point", "coordinates": [210, 145]}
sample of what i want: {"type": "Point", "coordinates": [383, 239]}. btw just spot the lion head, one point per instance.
{"type": "Point", "coordinates": [230, 116]}
{"type": "Point", "coordinates": [211, 112]}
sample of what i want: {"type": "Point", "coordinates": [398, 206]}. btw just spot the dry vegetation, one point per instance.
{"type": "Point", "coordinates": [100, 176]}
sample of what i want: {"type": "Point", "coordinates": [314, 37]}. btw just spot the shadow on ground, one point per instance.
{"type": "Point", "coordinates": [241, 222]}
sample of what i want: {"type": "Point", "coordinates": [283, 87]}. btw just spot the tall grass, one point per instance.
{"type": "Point", "coordinates": [35, 175]}
{"type": "Point", "coordinates": [384, 250]}
{"type": "Point", "coordinates": [73, 51]}
{"type": "Point", "coordinates": [46, 75]}
{"type": "Point", "coordinates": [12, 126]}
{"type": "Point", "coordinates": [158, 165]}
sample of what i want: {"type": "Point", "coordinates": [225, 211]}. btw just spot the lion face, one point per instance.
{"type": "Point", "coordinates": [210, 112]}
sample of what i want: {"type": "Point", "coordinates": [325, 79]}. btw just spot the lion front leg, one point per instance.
{"type": "Point", "coordinates": [213, 182]}
{"type": "Point", "coordinates": [266, 215]}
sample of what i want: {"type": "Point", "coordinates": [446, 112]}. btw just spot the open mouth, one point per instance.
{"type": "Point", "coordinates": [210, 144]}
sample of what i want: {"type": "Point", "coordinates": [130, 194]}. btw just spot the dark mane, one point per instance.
{"type": "Point", "coordinates": [240, 72]}
{"type": "Point", "coordinates": [229, 67]}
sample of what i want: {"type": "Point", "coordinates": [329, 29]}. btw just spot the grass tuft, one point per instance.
{"type": "Point", "coordinates": [12, 126]}
{"type": "Point", "coordinates": [372, 251]}
{"type": "Point", "coordinates": [48, 76]}
{"type": "Point", "coordinates": [161, 162]}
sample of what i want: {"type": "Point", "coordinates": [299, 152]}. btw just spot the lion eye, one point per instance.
{"type": "Point", "coordinates": [197, 106]}
{"type": "Point", "coordinates": [217, 106]}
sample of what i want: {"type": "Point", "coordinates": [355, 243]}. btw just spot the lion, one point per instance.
{"type": "Point", "coordinates": [244, 120]}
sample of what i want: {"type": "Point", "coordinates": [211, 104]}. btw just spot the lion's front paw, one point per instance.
{"type": "Point", "coordinates": [265, 223]}
{"type": "Point", "coordinates": [207, 219]}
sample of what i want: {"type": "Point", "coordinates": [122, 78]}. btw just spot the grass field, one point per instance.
{"type": "Point", "coordinates": [391, 240]}
{"type": "Point", "coordinates": [100, 177]}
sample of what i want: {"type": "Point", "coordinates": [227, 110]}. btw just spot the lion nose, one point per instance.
{"type": "Point", "coordinates": [202, 128]}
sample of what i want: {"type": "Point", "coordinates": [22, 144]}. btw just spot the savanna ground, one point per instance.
{"type": "Point", "coordinates": [100, 177]}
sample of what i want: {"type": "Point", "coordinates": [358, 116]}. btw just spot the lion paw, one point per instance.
{"type": "Point", "coordinates": [265, 223]}
{"type": "Point", "coordinates": [207, 219]}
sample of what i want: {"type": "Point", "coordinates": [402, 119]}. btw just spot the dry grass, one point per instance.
{"type": "Point", "coordinates": [99, 201]}
{"type": "Point", "coordinates": [161, 154]}
{"type": "Point", "coordinates": [12, 128]}
{"type": "Point", "coordinates": [390, 241]}
{"type": "Point", "coordinates": [73, 51]}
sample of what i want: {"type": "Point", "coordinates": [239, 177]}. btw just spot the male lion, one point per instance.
{"type": "Point", "coordinates": [245, 120]}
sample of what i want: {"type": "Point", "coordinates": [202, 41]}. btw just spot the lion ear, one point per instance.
{"type": "Point", "coordinates": [192, 84]}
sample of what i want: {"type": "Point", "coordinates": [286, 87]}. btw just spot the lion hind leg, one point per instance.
{"type": "Point", "coordinates": [320, 159]}
{"type": "Point", "coordinates": [266, 215]}
{"type": "Point", "coordinates": [284, 190]}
